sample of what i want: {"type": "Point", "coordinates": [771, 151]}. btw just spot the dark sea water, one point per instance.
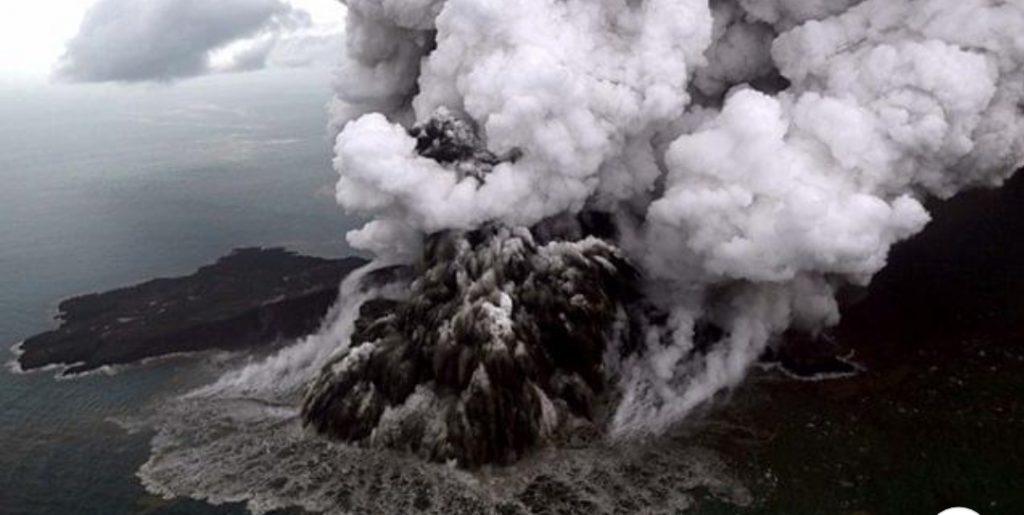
{"type": "Point", "coordinates": [107, 186]}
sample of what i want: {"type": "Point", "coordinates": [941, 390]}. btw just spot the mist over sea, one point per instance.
{"type": "Point", "coordinates": [107, 186]}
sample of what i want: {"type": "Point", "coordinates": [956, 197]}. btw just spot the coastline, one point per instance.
{"type": "Point", "coordinates": [248, 298]}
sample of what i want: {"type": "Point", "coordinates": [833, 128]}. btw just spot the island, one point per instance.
{"type": "Point", "coordinates": [251, 297]}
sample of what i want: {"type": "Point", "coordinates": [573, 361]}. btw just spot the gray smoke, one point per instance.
{"type": "Point", "coordinates": [464, 368]}
{"type": "Point", "coordinates": [754, 155]}
{"type": "Point", "coordinates": [590, 217]}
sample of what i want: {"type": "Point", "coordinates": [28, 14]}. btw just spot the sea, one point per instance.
{"type": "Point", "coordinates": [106, 186]}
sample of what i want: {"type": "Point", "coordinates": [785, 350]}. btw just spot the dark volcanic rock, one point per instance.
{"type": "Point", "coordinates": [454, 142]}
{"type": "Point", "coordinates": [250, 297]}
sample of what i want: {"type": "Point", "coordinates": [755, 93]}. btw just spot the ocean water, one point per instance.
{"type": "Point", "coordinates": [103, 186]}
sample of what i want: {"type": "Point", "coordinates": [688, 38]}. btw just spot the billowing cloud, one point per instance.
{"type": "Point", "coordinates": [164, 40]}
{"type": "Point", "coordinates": [755, 154]}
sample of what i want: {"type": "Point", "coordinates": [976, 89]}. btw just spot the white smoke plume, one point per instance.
{"type": "Point", "coordinates": [755, 154]}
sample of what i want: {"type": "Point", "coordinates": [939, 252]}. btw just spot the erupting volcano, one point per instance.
{"type": "Point", "coordinates": [588, 219]}
{"type": "Point", "coordinates": [611, 209]}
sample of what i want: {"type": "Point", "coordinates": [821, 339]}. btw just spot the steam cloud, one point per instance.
{"type": "Point", "coordinates": [754, 155]}
{"type": "Point", "coordinates": [590, 217]}
{"type": "Point", "coordinates": [163, 40]}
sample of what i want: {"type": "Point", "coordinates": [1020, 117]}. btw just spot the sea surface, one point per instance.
{"type": "Point", "coordinates": [104, 186]}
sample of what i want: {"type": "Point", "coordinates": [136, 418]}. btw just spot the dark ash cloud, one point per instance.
{"type": "Point", "coordinates": [163, 40]}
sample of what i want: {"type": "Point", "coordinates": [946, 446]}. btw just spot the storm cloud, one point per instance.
{"type": "Point", "coordinates": [164, 40]}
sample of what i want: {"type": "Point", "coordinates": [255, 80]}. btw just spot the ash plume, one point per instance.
{"type": "Point", "coordinates": [464, 367]}
{"type": "Point", "coordinates": [748, 157]}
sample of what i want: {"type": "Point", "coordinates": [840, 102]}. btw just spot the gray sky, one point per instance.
{"type": "Point", "coordinates": [39, 30]}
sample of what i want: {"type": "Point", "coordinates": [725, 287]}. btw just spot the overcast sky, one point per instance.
{"type": "Point", "coordinates": [225, 35]}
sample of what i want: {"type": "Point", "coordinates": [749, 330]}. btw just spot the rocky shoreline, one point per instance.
{"type": "Point", "coordinates": [251, 297]}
